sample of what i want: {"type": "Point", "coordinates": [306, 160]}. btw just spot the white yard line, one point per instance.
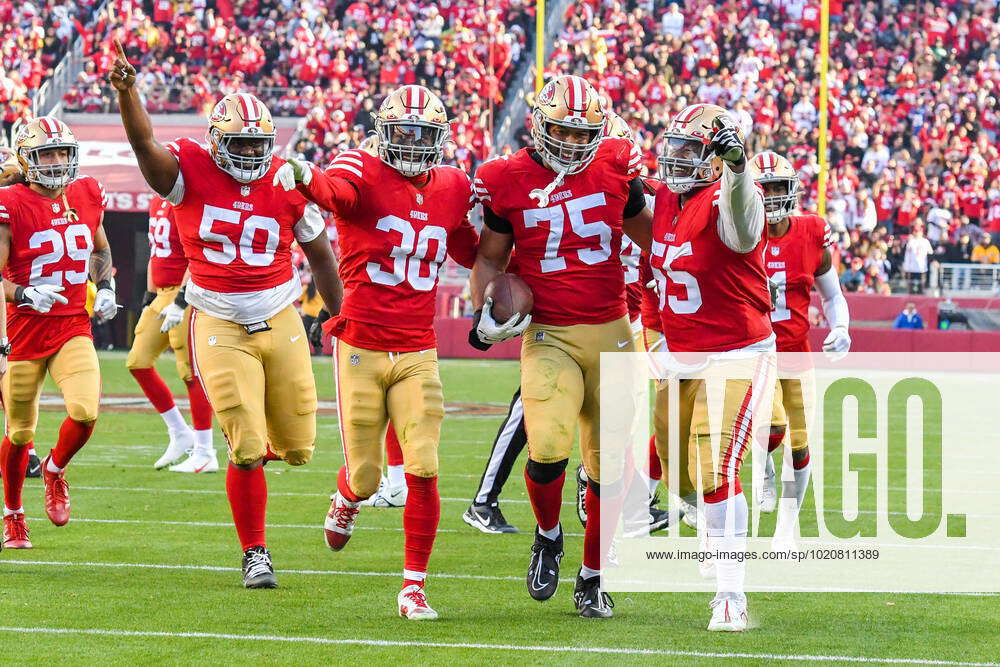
{"type": "Point", "coordinates": [382, 643]}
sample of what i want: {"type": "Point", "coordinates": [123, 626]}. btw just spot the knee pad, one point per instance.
{"type": "Point", "coordinates": [545, 473]}
{"type": "Point", "coordinates": [22, 437]}
{"type": "Point", "coordinates": [297, 457]}
{"type": "Point", "coordinates": [79, 412]}
{"type": "Point", "coordinates": [364, 479]}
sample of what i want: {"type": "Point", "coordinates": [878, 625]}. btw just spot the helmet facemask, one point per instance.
{"type": "Point", "coordinates": [686, 163]}
{"type": "Point", "coordinates": [779, 205]}
{"type": "Point", "coordinates": [52, 175]}
{"type": "Point", "coordinates": [244, 168]}
{"type": "Point", "coordinates": [411, 147]}
{"type": "Point", "coordinates": [567, 156]}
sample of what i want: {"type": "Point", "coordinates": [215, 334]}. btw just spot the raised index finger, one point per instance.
{"type": "Point", "coordinates": [121, 51]}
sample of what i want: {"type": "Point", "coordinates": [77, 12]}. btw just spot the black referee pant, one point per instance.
{"type": "Point", "coordinates": [509, 443]}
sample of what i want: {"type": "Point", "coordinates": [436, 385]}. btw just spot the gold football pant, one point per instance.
{"type": "Point", "coordinates": [74, 369]}
{"type": "Point", "coordinates": [790, 408]}
{"type": "Point", "coordinates": [375, 387]}
{"type": "Point", "coordinates": [712, 442]}
{"type": "Point", "coordinates": [261, 385]}
{"type": "Point", "coordinates": [149, 343]}
{"type": "Point", "coordinates": [560, 387]}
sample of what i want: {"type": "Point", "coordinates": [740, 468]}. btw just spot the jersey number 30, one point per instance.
{"type": "Point", "coordinates": [410, 261]}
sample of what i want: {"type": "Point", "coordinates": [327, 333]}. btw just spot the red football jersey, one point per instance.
{"type": "Point", "coordinates": [236, 236]}
{"type": "Point", "coordinates": [167, 262]}
{"type": "Point", "coordinates": [650, 306]}
{"type": "Point", "coordinates": [712, 299]}
{"type": "Point", "coordinates": [633, 286]}
{"type": "Point", "coordinates": [791, 262]}
{"type": "Point", "coordinates": [49, 248]}
{"type": "Point", "coordinates": [568, 251]}
{"type": "Point", "coordinates": [393, 237]}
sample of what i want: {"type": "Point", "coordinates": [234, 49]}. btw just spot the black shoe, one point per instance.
{"type": "Point", "coordinates": [590, 600]}
{"type": "Point", "coordinates": [488, 518]}
{"type": "Point", "coordinates": [656, 519]}
{"type": "Point", "coordinates": [543, 570]}
{"type": "Point", "coordinates": [581, 494]}
{"type": "Point", "coordinates": [34, 467]}
{"type": "Point", "coordinates": [257, 569]}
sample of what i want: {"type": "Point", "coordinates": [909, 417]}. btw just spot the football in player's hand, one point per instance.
{"type": "Point", "coordinates": [510, 295]}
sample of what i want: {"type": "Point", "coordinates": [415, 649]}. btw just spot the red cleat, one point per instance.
{"type": "Point", "coordinates": [15, 532]}
{"type": "Point", "coordinates": [339, 522]}
{"type": "Point", "coordinates": [56, 495]}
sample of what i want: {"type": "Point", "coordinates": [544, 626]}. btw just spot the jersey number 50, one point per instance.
{"type": "Point", "coordinates": [244, 248]}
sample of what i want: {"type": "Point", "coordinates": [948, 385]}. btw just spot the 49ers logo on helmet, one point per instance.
{"type": "Point", "coordinates": [219, 112]}
{"type": "Point", "coordinates": [547, 93]}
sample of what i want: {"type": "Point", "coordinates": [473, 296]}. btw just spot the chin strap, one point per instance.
{"type": "Point", "coordinates": [71, 213]}
{"type": "Point", "coordinates": [542, 196]}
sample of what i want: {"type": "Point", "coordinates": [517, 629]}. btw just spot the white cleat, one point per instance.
{"type": "Point", "coordinates": [387, 496]}
{"type": "Point", "coordinates": [180, 444]}
{"type": "Point", "coordinates": [413, 605]}
{"type": "Point", "coordinates": [768, 496]}
{"type": "Point", "coordinates": [688, 512]}
{"type": "Point", "coordinates": [729, 615]}
{"type": "Point", "coordinates": [198, 462]}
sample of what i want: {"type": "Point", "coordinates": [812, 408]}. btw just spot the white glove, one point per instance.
{"type": "Point", "coordinates": [104, 304]}
{"type": "Point", "coordinates": [489, 331]}
{"type": "Point", "coordinates": [290, 174]}
{"type": "Point", "coordinates": [42, 297]}
{"type": "Point", "coordinates": [837, 344]}
{"type": "Point", "coordinates": [172, 315]}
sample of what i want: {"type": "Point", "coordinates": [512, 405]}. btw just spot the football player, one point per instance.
{"type": "Point", "coordinates": [798, 256]}
{"type": "Point", "coordinates": [398, 214]}
{"type": "Point", "coordinates": [707, 258]}
{"type": "Point", "coordinates": [51, 241]}
{"type": "Point", "coordinates": [162, 324]}
{"type": "Point", "coordinates": [249, 348]}
{"type": "Point", "coordinates": [563, 204]}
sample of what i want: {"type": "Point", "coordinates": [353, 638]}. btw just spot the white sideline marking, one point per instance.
{"type": "Point", "coordinates": [444, 575]}
{"type": "Point", "coordinates": [608, 650]}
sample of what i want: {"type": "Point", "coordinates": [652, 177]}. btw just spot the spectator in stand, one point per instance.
{"type": "Point", "coordinates": [853, 278]}
{"type": "Point", "coordinates": [985, 252]}
{"type": "Point", "coordinates": [909, 318]}
{"type": "Point", "coordinates": [915, 261]}
{"type": "Point", "coordinates": [960, 253]}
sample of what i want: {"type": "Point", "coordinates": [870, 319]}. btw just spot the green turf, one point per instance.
{"type": "Point", "coordinates": [355, 607]}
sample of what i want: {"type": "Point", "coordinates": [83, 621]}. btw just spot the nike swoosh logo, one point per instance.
{"type": "Point", "coordinates": [623, 344]}
{"type": "Point", "coordinates": [197, 470]}
{"type": "Point", "coordinates": [33, 469]}
{"type": "Point", "coordinates": [538, 580]}
{"type": "Point", "coordinates": [295, 338]}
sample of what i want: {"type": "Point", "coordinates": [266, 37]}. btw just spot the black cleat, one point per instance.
{"type": "Point", "coordinates": [488, 519]}
{"type": "Point", "coordinates": [581, 494]}
{"type": "Point", "coordinates": [543, 570]}
{"type": "Point", "coordinates": [34, 469]}
{"type": "Point", "coordinates": [257, 569]}
{"type": "Point", "coordinates": [656, 519]}
{"type": "Point", "coordinates": [590, 600]}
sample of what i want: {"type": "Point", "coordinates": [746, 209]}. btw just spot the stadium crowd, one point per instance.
{"type": "Point", "coordinates": [33, 37]}
{"type": "Point", "coordinates": [913, 107]}
{"type": "Point", "coordinates": [328, 61]}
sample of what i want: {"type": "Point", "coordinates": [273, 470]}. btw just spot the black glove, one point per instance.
{"type": "Point", "coordinates": [726, 142]}
{"type": "Point", "coordinates": [181, 299]}
{"type": "Point", "coordinates": [474, 333]}
{"type": "Point", "coordinates": [148, 298]}
{"type": "Point", "coordinates": [316, 329]}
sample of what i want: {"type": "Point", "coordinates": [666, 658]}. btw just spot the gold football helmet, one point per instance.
{"type": "Point", "coordinates": [411, 127]}
{"type": "Point", "coordinates": [570, 103]}
{"type": "Point", "coordinates": [686, 159]}
{"type": "Point", "coordinates": [780, 182]}
{"type": "Point", "coordinates": [37, 143]}
{"type": "Point", "coordinates": [10, 170]}
{"type": "Point", "coordinates": [241, 136]}
{"type": "Point", "coordinates": [617, 127]}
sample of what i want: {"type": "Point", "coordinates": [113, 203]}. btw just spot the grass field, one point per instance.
{"type": "Point", "coordinates": [148, 571]}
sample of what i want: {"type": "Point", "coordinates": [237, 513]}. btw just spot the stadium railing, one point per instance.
{"type": "Point", "coordinates": [965, 279]}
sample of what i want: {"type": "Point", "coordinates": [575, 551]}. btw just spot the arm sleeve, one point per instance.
{"type": "Point", "coordinates": [495, 222]}
{"type": "Point", "coordinates": [463, 243]}
{"type": "Point", "coordinates": [834, 303]}
{"type": "Point", "coordinates": [330, 190]}
{"type": "Point", "coordinates": [636, 199]}
{"type": "Point", "coordinates": [741, 211]}
{"type": "Point", "coordinates": [310, 225]}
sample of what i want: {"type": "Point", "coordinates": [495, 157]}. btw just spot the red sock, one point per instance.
{"type": "Point", "coordinates": [799, 465]}
{"type": "Point", "coordinates": [73, 435]}
{"type": "Point", "coordinates": [655, 470]}
{"type": "Point", "coordinates": [155, 389]}
{"type": "Point", "coordinates": [14, 462]}
{"type": "Point", "coordinates": [420, 523]}
{"type": "Point", "coordinates": [774, 441]}
{"type": "Point", "coordinates": [345, 489]}
{"type": "Point", "coordinates": [247, 492]}
{"type": "Point", "coordinates": [201, 409]}
{"type": "Point", "coordinates": [393, 452]}
{"type": "Point", "coordinates": [546, 500]}
{"type": "Point", "coordinates": [270, 456]}
{"type": "Point", "coordinates": [592, 533]}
